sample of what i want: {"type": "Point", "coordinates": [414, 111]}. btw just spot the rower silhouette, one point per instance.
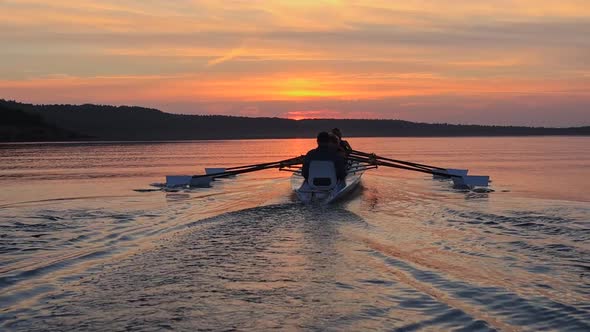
{"type": "Point", "coordinates": [344, 145]}
{"type": "Point", "coordinates": [325, 151]}
{"type": "Point", "coordinates": [335, 144]}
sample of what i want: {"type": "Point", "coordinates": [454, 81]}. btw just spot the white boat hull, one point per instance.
{"type": "Point", "coordinates": [309, 195]}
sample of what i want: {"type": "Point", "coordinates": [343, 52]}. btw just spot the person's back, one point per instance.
{"type": "Point", "coordinates": [325, 152]}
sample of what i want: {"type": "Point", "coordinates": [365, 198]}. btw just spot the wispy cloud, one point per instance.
{"type": "Point", "coordinates": [286, 53]}
{"type": "Point", "coordinates": [227, 57]}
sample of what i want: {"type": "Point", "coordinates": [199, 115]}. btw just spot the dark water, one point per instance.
{"type": "Point", "coordinates": [80, 250]}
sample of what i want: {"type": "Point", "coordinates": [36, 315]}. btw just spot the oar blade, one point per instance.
{"type": "Point", "coordinates": [174, 181]}
{"type": "Point", "coordinates": [218, 170]}
{"type": "Point", "coordinates": [177, 181]}
{"type": "Point", "coordinates": [471, 181]}
{"type": "Point", "coordinates": [450, 171]}
{"type": "Point", "coordinates": [214, 170]}
{"type": "Point", "coordinates": [203, 182]}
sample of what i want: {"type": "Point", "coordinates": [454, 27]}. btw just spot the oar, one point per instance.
{"type": "Point", "coordinates": [459, 181]}
{"type": "Point", "coordinates": [403, 162]}
{"type": "Point", "coordinates": [253, 168]}
{"type": "Point", "coordinates": [236, 172]}
{"type": "Point", "coordinates": [263, 164]}
{"type": "Point", "coordinates": [461, 172]}
{"type": "Point", "coordinates": [417, 169]}
{"type": "Point", "coordinates": [214, 171]}
{"type": "Point", "coordinates": [409, 168]}
{"type": "Point", "coordinates": [204, 180]}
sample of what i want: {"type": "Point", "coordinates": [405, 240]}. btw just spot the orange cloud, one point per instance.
{"type": "Point", "coordinates": [249, 51]}
{"type": "Point", "coordinates": [279, 87]}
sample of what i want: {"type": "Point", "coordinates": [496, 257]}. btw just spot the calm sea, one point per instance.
{"type": "Point", "coordinates": [81, 249]}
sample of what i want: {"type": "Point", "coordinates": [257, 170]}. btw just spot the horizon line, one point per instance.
{"type": "Point", "coordinates": [289, 119]}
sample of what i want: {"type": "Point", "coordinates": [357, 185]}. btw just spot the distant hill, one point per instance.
{"type": "Point", "coordinates": [102, 122]}
{"type": "Point", "coordinates": [17, 125]}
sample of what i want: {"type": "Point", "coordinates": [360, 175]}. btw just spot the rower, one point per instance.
{"type": "Point", "coordinates": [343, 144]}
{"type": "Point", "coordinates": [325, 152]}
{"type": "Point", "coordinates": [334, 141]}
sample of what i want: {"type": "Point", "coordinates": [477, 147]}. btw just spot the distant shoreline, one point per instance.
{"type": "Point", "coordinates": [102, 123]}
{"type": "Point", "coordinates": [260, 139]}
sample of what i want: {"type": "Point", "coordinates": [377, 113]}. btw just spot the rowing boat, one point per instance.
{"type": "Point", "coordinates": [322, 186]}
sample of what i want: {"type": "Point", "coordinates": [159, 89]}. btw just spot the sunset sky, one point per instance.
{"type": "Point", "coordinates": [521, 62]}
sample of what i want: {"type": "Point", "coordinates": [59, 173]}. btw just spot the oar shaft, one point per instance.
{"type": "Point", "coordinates": [262, 164]}
{"type": "Point", "coordinates": [417, 169]}
{"type": "Point", "coordinates": [409, 168]}
{"type": "Point", "coordinates": [236, 172]}
{"type": "Point", "coordinates": [403, 162]}
{"type": "Point", "coordinates": [433, 172]}
{"type": "Point", "coordinates": [254, 168]}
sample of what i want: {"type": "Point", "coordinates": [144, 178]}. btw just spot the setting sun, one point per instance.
{"type": "Point", "coordinates": [294, 165]}
{"type": "Point", "coordinates": [492, 62]}
{"type": "Point", "coordinates": [301, 88]}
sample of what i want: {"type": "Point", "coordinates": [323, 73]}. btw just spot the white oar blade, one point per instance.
{"type": "Point", "coordinates": [214, 170]}
{"type": "Point", "coordinates": [217, 170]}
{"type": "Point", "coordinates": [471, 181]}
{"type": "Point", "coordinates": [173, 181]}
{"type": "Point", "coordinates": [451, 171]}
{"type": "Point", "coordinates": [176, 181]}
{"type": "Point", "coordinates": [203, 182]}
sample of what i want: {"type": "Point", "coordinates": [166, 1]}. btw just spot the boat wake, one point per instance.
{"type": "Point", "coordinates": [291, 266]}
{"type": "Point", "coordinates": [82, 251]}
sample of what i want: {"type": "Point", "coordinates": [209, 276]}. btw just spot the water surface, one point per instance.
{"type": "Point", "coordinates": [80, 249]}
